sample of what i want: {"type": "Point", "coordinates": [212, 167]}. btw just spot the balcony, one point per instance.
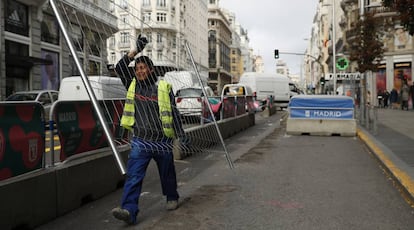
{"type": "Point", "coordinates": [33, 2]}
{"type": "Point", "coordinates": [146, 7]}
{"type": "Point", "coordinates": [124, 45]}
{"type": "Point", "coordinates": [89, 12]}
{"type": "Point", "coordinates": [380, 11]}
{"type": "Point", "coordinates": [159, 46]}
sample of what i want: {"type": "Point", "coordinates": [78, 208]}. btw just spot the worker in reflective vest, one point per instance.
{"type": "Point", "coordinates": [150, 113]}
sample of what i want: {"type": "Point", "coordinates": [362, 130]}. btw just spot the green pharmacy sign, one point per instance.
{"type": "Point", "coordinates": [342, 63]}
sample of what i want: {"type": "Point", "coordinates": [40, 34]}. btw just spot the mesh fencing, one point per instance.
{"type": "Point", "coordinates": [181, 115]}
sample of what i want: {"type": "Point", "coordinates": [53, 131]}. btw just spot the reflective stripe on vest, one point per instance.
{"type": "Point", "coordinates": [128, 119]}
{"type": "Point", "coordinates": [164, 105]}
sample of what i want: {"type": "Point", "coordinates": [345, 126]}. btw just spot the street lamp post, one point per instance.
{"type": "Point", "coordinates": [333, 47]}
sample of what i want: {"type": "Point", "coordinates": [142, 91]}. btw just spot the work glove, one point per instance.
{"type": "Point", "coordinates": [141, 43]}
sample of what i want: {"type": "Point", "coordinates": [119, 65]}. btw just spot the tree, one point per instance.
{"type": "Point", "coordinates": [405, 10]}
{"type": "Point", "coordinates": [367, 47]}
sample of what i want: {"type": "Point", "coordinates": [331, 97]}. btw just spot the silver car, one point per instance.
{"type": "Point", "coordinates": [45, 97]}
{"type": "Point", "coordinates": [190, 101]}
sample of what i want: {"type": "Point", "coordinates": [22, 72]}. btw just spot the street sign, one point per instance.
{"type": "Point", "coordinates": [342, 63]}
{"type": "Point", "coordinates": [344, 76]}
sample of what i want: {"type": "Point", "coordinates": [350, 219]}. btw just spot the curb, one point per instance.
{"type": "Point", "coordinates": [401, 173]}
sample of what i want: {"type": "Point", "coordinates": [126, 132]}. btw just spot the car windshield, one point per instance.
{"type": "Point", "coordinates": [234, 90]}
{"type": "Point", "coordinates": [22, 97]}
{"type": "Point", "coordinates": [190, 92]}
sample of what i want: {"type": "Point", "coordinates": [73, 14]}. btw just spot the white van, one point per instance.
{"type": "Point", "coordinates": [294, 90]}
{"type": "Point", "coordinates": [268, 84]}
{"type": "Point", "coordinates": [184, 79]}
{"type": "Point", "coordinates": [104, 87]}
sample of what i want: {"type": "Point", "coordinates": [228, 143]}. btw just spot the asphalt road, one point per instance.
{"type": "Point", "coordinates": [279, 182]}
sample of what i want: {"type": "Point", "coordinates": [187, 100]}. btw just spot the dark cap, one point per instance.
{"type": "Point", "coordinates": [146, 60]}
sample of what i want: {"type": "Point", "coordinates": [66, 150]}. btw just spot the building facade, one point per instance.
{"type": "Point", "coordinates": [33, 46]}
{"type": "Point", "coordinates": [33, 52]}
{"type": "Point", "coordinates": [396, 65]}
{"type": "Point", "coordinates": [169, 26]}
{"type": "Point", "coordinates": [219, 46]}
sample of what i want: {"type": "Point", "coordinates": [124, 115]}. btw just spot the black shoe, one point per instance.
{"type": "Point", "coordinates": [122, 214]}
{"type": "Point", "coordinates": [172, 205]}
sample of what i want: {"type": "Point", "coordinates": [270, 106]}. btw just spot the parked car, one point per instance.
{"type": "Point", "coordinates": [184, 79]}
{"type": "Point", "coordinates": [45, 97]}
{"type": "Point", "coordinates": [238, 90]}
{"type": "Point", "coordinates": [191, 102]}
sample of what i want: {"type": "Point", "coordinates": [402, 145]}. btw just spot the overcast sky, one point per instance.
{"type": "Point", "coordinates": [275, 24]}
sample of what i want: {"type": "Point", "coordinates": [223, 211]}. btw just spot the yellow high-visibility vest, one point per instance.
{"type": "Point", "coordinates": [164, 104]}
{"type": "Point", "coordinates": [165, 109]}
{"type": "Point", "coordinates": [128, 119]}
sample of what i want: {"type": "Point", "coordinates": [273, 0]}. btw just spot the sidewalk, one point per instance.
{"type": "Point", "coordinates": [393, 145]}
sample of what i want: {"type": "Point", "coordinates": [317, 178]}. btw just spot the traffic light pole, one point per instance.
{"type": "Point", "coordinates": [307, 55]}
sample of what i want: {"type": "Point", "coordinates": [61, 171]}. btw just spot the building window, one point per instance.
{"type": "Point", "coordinates": [49, 29]}
{"type": "Point", "coordinates": [149, 37]}
{"type": "Point", "coordinates": [16, 18]}
{"type": "Point", "coordinates": [124, 4]}
{"type": "Point", "coordinates": [161, 17]}
{"type": "Point", "coordinates": [161, 3]}
{"type": "Point", "coordinates": [174, 43]}
{"type": "Point", "coordinates": [146, 2]}
{"type": "Point", "coordinates": [124, 20]}
{"type": "Point", "coordinates": [159, 55]}
{"type": "Point", "coordinates": [124, 37]}
{"type": "Point", "coordinates": [112, 41]}
{"type": "Point", "coordinates": [159, 38]}
{"type": "Point", "coordinates": [112, 57]}
{"type": "Point", "coordinates": [94, 68]}
{"type": "Point", "coordinates": [17, 72]}
{"type": "Point", "coordinates": [112, 6]}
{"type": "Point", "coordinates": [77, 37]}
{"type": "Point", "coordinates": [50, 73]}
{"type": "Point", "coordinates": [146, 17]}
{"type": "Point", "coordinates": [94, 43]}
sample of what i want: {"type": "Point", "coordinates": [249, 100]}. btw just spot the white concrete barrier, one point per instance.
{"type": "Point", "coordinates": [322, 115]}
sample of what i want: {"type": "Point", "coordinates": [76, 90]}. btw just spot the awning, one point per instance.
{"type": "Point", "coordinates": [26, 61]}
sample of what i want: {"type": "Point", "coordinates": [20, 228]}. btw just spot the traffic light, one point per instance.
{"type": "Point", "coordinates": [276, 54]}
{"type": "Point", "coordinates": [322, 80]}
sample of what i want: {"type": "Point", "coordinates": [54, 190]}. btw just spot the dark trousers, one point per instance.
{"type": "Point", "coordinates": [140, 156]}
{"type": "Point", "coordinates": [404, 105]}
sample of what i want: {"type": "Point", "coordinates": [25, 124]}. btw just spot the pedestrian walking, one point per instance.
{"type": "Point", "coordinates": [394, 98]}
{"type": "Point", "coordinates": [412, 94]}
{"type": "Point", "coordinates": [386, 98]}
{"type": "Point", "coordinates": [380, 97]}
{"type": "Point", "coordinates": [405, 94]}
{"type": "Point", "coordinates": [151, 115]}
